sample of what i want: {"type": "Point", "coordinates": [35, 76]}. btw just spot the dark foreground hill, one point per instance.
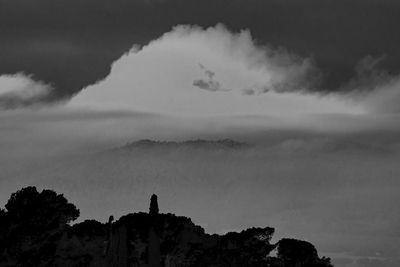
{"type": "Point", "coordinates": [35, 231]}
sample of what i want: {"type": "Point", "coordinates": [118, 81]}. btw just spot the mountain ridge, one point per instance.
{"type": "Point", "coordinates": [221, 144]}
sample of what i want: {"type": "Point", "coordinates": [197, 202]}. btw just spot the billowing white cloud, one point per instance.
{"type": "Point", "coordinates": [19, 88]}
{"type": "Point", "coordinates": [164, 77]}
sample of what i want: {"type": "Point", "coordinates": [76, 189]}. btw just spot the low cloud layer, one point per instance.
{"type": "Point", "coordinates": [373, 87]}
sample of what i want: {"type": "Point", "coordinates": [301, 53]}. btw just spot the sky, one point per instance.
{"type": "Point", "coordinates": [313, 85]}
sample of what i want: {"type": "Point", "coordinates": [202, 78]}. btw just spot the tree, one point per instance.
{"type": "Point", "coordinates": [300, 253]}
{"type": "Point", "coordinates": [32, 226]}
{"type": "Point", "coordinates": [153, 205]}
{"type": "Point", "coordinates": [248, 248]}
{"type": "Point", "coordinates": [40, 211]}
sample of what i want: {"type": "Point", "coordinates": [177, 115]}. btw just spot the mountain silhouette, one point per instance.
{"type": "Point", "coordinates": [35, 231]}
{"type": "Point", "coordinates": [221, 144]}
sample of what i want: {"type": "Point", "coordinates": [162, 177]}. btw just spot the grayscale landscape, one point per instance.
{"type": "Point", "coordinates": [252, 118]}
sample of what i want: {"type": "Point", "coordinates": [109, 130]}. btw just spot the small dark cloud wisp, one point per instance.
{"type": "Point", "coordinates": [209, 84]}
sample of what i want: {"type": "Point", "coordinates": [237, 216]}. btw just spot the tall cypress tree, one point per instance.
{"type": "Point", "coordinates": [153, 205]}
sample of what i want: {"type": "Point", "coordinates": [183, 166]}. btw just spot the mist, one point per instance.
{"type": "Point", "coordinates": [334, 185]}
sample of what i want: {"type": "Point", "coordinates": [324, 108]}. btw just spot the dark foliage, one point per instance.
{"type": "Point", "coordinates": [299, 253]}
{"type": "Point", "coordinates": [40, 210]}
{"type": "Point", "coordinates": [89, 228]}
{"type": "Point", "coordinates": [32, 224]}
{"type": "Point", "coordinates": [34, 231]}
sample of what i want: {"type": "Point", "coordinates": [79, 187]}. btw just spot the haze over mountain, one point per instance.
{"type": "Point", "coordinates": [307, 187]}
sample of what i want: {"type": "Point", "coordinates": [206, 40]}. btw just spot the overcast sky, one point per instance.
{"type": "Point", "coordinates": [313, 84]}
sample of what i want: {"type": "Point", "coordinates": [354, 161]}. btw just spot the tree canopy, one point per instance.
{"type": "Point", "coordinates": [40, 210]}
{"type": "Point", "coordinates": [35, 231]}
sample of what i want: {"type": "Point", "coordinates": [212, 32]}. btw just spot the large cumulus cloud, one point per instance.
{"type": "Point", "coordinates": [163, 77]}
{"type": "Point", "coordinates": [71, 44]}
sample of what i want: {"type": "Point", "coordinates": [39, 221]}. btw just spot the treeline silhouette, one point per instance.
{"type": "Point", "coordinates": [35, 231]}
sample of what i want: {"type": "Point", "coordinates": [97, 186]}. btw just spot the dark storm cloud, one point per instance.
{"type": "Point", "coordinates": [71, 44]}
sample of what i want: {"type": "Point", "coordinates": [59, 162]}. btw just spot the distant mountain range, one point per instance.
{"type": "Point", "coordinates": [221, 144]}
